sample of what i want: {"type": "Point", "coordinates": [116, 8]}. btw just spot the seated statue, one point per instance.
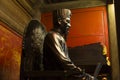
{"type": "Point", "coordinates": [32, 53]}
{"type": "Point", "coordinates": [55, 52]}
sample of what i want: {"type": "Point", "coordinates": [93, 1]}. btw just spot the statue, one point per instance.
{"type": "Point", "coordinates": [55, 53]}
{"type": "Point", "coordinates": [32, 50]}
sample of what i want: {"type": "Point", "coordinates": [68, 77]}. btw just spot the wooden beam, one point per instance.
{"type": "Point", "coordinates": [73, 4]}
{"type": "Point", "coordinates": [12, 14]}
{"type": "Point", "coordinates": [110, 1]}
{"type": "Point", "coordinates": [29, 6]}
{"type": "Point", "coordinates": [26, 6]}
{"type": "Point", "coordinates": [113, 43]}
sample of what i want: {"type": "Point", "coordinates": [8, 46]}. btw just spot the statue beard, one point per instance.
{"type": "Point", "coordinates": [65, 30]}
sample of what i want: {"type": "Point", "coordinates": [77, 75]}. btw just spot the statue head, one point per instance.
{"type": "Point", "coordinates": [61, 20]}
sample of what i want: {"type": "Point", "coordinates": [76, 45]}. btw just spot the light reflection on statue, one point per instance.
{"type": "Point", "coordinates": [55, 53]}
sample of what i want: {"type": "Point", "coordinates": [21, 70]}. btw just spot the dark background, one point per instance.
{"type": "Point", "coordinates": [117, 14]}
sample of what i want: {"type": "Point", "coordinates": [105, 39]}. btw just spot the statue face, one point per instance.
{"type": "Point", "coordinates": [65, 25]}
{"type": "Point", "coordinates": [61, 20]}
{"type": "Point", "coordinates": [64, 21]}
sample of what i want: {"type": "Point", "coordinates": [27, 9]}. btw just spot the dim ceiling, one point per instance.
{"type": "Point", "coordinates": [49, 5]}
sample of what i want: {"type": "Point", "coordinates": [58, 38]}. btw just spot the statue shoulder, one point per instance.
{"type": "Point", "coordinates": [53, 34]}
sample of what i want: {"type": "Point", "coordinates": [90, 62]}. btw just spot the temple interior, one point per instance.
{"type": "Point", "coordinates": [94, 36]}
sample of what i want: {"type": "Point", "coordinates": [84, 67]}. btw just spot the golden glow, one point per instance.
{"type": "Point", "coordinates": [105, 53]}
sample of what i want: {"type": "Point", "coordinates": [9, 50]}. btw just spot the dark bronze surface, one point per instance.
{"type": "Point", "coordinates": [33, 38]}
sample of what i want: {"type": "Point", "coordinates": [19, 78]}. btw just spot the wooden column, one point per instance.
{"type": "Point", "coordinates": [113, 43]}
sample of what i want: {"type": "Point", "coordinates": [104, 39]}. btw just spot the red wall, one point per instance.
{"type": "Point", "coordinates": [10, 53]}
{"type": "Point", "coordinates": [89, 25]}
